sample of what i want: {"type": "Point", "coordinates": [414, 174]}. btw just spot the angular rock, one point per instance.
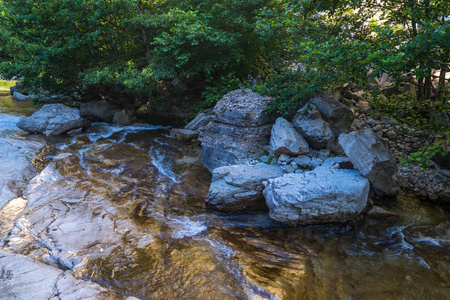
{"type": "Point", "coordinates": [239, 130]}
{"type": "Point", "coordinates": [313, 128]}
{"type": "Point", "coordinates": [184, 134]}
{"type": "Point", "coordinates": [285, 139]}
{"type": "Point", "coordinates": [339, 116]}
{"type": "Point", "coordinates": [99, 110]}
{"type": "Point", "coordinates": [368, 154]}
{"type": "Point", "coordinates": [75, 124]}
{"type": "Point", "coordinates": [242, 108]}
{"type": "Point", "coordinates": [239, 187]}
{"type": "Point", "coordinates": [23, 278]}
{"type": "Point", "coordinates": [20, 97]}
{"type": "Point", "coordinates": [224, 145]}
{"type": "Point", "coordinates": [200, 121]}
{"type": "Point", "coordinates": [48, 118]}
{"type": "Point", "coordinates": [124, 117]}
{"type": "Point", "coordinates": [319, 196]}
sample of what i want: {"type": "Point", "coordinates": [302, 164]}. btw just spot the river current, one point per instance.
{"type": "Point", "coordinates": [156, 185]}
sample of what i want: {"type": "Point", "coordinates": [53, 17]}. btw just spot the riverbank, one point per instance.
{"type": "Point", "coordinates": [139, 193]}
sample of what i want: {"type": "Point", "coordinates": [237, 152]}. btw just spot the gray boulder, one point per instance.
{"type": "Point", "coordinates": [339, 116]}
{"type": "Point", "coordinates": [285, 139]}
{"type": "Point", "coordinates": [99, 110]}
{"type": "Point", "coordinates": [313, 128]}
{"type": "Point", "coordinates": [124, 117]}
{"type": "Point", "coordinates": [239, 129]}
{"type": "Point", "coordinates": [49, 118]}
{"type": "Point", "coordinates": [184, 134]}
{"type": "Point", "coordinates": [20, 97]}
{"type": "Point", "coordinates": [242, 108]}
{"type": "Point", "coordinates": [239, 187]}
{"type": "Point", "coordinates": [200, 121]}
{"type": "Point", "coordinates": [368, 154]}
{"type": "Point", "coordinates": [319, 196]}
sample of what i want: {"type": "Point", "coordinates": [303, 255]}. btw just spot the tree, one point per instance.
{"type": "Point", "coordinates": [337, 42]}
{"type": "Point", "coordinates": [131, 47]}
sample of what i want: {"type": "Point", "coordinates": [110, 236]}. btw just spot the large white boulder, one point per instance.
{"type": "Point", "coordinates": [316, 131]}
{"type": "Point", "coordinates": [323, 195]}
{"type": "Point", "coordinates": [239, 187]}
{"type": "Point", "coordinates": [285, 139]}
{"type": "Point", "coordinates": [368, 154]}
{"type": "Point", "coordinates": [49, 118]}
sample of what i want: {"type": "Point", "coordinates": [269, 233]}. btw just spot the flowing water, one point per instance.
{"type": "Point", "coordinates": [157, 186]}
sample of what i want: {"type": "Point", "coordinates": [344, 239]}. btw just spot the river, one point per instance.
{"type": "Point", "coordinates": [127, 211]}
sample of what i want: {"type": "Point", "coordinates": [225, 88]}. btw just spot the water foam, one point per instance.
{"type": "Point", "coordinates": [183, 226]}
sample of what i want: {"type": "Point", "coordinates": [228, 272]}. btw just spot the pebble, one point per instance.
{"type": "Point", "coordinates": [377, 128]}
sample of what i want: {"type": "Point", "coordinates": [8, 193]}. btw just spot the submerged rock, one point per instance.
{"type": "Point", "coordinates": [239, 187]}
{"type": "Point", "coordinates": [323, 195]}
{"type": "Point", "coordinates": [49, 118]}
{"type": "Point", "coordinates": [285, 139]}
{"type": "Point", "coordinates": [368, 154]}
{"type": "Point", "coordinates": [238, 131]}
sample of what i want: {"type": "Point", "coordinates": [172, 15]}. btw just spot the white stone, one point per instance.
{"type": "Point", "coordinates": [323, 195]}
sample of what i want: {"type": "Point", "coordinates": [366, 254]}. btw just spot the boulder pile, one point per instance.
{"type": "Point", "coordinates": [299, 178]}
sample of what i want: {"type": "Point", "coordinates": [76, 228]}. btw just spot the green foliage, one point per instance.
{"type": "Point", "coordinates": [131, 47]}
{"type": "Point", "coordinates": [338, 42]}
{"type": "Point", "coordinates": [425, 114]}
{"type": "Point", "coordinates": [220, 87]}
{"type": "Point", "coordinates": [423, 156]}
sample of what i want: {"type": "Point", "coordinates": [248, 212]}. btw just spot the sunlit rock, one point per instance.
{"type": "Point", "coordinates": [23, 278]}
{"type": "Point", "coordinates": [16, 166]}
{"type": "Point", "coordinates": [49, 118]}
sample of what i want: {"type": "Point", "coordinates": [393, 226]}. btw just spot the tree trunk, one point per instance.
{"type": "Point", "coordinates": [441, 85]}
{"type": "Point", "coordinates": [144, 36]}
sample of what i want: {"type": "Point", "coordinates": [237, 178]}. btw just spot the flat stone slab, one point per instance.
{"type": "Point", "coordinates": [23, 278]}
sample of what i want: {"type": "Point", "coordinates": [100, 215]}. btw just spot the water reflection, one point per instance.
{"type": "Point", "coordinates": [156, 186]}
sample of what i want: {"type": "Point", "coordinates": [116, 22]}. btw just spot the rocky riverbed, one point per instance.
{"type": "Point", "coordinates": [119, 212]}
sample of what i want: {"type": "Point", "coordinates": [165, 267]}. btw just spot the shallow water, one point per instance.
{"type": "Point", "coordinates": [158, 183]}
